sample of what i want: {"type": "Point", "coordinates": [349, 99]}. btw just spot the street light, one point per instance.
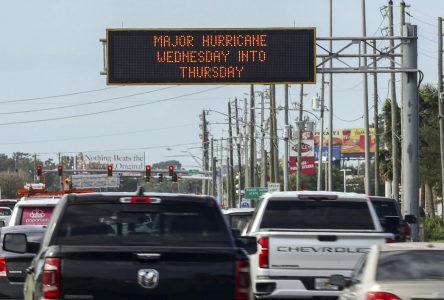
{"type": "Point", "coordinates": [345, 183]}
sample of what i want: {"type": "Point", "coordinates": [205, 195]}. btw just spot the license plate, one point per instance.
{"type": "Point", "coordinates": [324, 284]}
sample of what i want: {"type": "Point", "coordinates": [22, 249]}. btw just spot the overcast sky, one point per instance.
{"type": "Point", "coordinates": [51, 48]}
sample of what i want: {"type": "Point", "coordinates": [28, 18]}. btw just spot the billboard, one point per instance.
{"type": "Point", "coordinates": [121, 161]}
{"type": "Point", "coordinates": [307, 165]}
{"type": "Point", "coordinates": [211, 56]}
{"type": "Point", "coordinates": [351, 140]}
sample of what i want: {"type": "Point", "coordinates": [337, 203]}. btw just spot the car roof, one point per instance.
{"type": "Point", "coordinates": [381, 198]}
{"type": "Point", "coordinates": [4, 207]}
{"type": "Point", "coordinates": [113, 196]}
{"type": "Point", "coordinates": [341, 195]}
{"type": "Point", "coordinates": [23, 229]}
{"type": "Point", "coordinates": [38, 201]}
{"type": "Point", "coordinates": [411, 246]}
{"type": "Point", "coordinates": [233, 211]}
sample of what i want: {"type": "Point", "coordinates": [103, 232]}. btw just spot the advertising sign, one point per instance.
{"type": "Point", "coordinates": [95, 181]}
{"type": "Point", "coordinates": [123, 161]}
{"type": "Point", "coordinates": [307, 148]}
{"type": "Point", "coordinates": [36, 215]}
{"type": "Point", "coordinates": [307, 165]}
{"type": "Point", "coordinates": [351, 140]}
{"type": "Point", "coordinates": [211, 56]}
{"type": "Point", "coordinates": [336, 155]}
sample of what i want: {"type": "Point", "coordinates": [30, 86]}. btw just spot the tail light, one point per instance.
{"type": "Point", "coordinates": [263, 254]}
{"type": "Point", "coordinates": [242, 280]}
{"type": "Point", "coordinates": [51, 278]}
{"type": "Point", "coordinates": [2, 266]}
{"type": "Point", "coordinates": [407, 232]}
{"type": "Point", "coordinates": [389, 241]}
{"type": "Point", "coordinates": [380, 296]}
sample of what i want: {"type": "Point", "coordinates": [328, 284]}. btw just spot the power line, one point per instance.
{"type": "Point", "coordinates": [84, 103]}
{"type": "Point", "coordinates": [56, 96]}
{"type": "Point", "coordinates": [109, 110]}
{"type": "Point", "coordinates": [97, 136]}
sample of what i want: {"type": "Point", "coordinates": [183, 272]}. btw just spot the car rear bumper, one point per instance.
{"type": "Point", "coordinates": [11, 290]}
{"type": "Point", "coordinates": [284, 289]}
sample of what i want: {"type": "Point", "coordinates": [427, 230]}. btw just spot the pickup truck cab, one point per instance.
{"type": "Point", "coordinates": [35, 210]}
{"type": "Point", "coordinates": [139, 246]}
{"type": "Point", "coordinates": [304, 237]}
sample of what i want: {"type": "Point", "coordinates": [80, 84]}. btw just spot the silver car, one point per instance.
{"type": "Point", "coordinates": [396, 271]}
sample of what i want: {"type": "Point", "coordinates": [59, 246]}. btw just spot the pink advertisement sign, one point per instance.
{"type": "Point", "coordinates": [36, 215]}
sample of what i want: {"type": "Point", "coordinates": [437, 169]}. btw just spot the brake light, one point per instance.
{"type": "Point", "coordinates": [2, 266]}
{"type": "Point", "coordinates": [407, 232]}
{"type": "Point", "coordinates": [242, 280]}
{"type": "Point", "coordinates": [389, 241]}
{"type": "Point", "coordinates": [380, 296]}
{"type": "Point", "coordinates": [140, 200]}
{"type": "Point", "coordinates": [263, 254]}
{"type": "Point", "coordinates": [51, 278]}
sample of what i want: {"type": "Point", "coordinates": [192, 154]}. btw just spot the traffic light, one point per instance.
{"type": "Point", "coordinates": [174, 177]}
{"type": "Point", "coordinates": [160, 177]}
{"type": "Point", "coordinates": [110, 170]}
{"type": "Point", "coordinates": [171, 170]}
{"type": "Point", "coordinates": [148, 173]}
{"type": "Point", "coordinates": [39, 170]}
{"type": "Point", "coordinates": [60, 170]}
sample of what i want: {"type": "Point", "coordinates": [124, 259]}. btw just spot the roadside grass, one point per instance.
{"type": "Point", "coordinates": [433, 229]}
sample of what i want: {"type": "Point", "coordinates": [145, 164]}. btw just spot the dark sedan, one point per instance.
{"type": "Point", "coordinates": [13, 265]}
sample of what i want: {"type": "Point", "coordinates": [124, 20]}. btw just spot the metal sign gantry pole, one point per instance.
{"type": "Point", "coordinates": [385, 58]}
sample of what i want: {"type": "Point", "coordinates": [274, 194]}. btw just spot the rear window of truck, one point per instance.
{"type": "Point", "coordinates": [188, 224]}
{"type": "Point", "coordinates": [316, 214]}
{"type": "Point", "coordinates": [36, 215]}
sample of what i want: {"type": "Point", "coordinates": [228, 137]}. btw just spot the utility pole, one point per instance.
{"type": "Point", "coordinates": [330, 112]}
{"type": "Point", "coordinates": [394, 110]}
{"type": "Point", "coordinates": [272, 137]}
{"type": "Point", "coordinates": [441, 103]}
{"type": "Point", "coordinates": [286, 136]}
{"type": "Point", "coordinates": [263, 152]}
{"type": "Point", "coordinates": [246, 146]}
{"type": "Point", "coordinates": [366, 125]}
{"type": "Point", "coordinates": [275, 138]}
{"type": "Point", "coordinates": [300, 131]}
{"type": "Point", "coordinates": [376, 120]}
{"type": "Point", "coordinates": [410, 130]}
{"type": "Point", "coordinates": [252, 138]}
{"type": "Point", "coordinates": [238, 142]}
{"type": "Point", "coordinates": [231, 194]}
{"type": "Point", "coordinates": [321, 134]}
{"type": "Point", "coordinates": [205, 145]}
{"type": "Point", "coordinates": [213, 169]}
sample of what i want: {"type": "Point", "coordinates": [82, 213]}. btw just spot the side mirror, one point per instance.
{"type": "Point", "coordinates": [15, 242]}
{"type": "Point", "coordinates": [339, 280]}
{"type": "Point", "coordinates": [411, 219]}
{"type": "Point", "coordinates": [248, 243]}
{"type": "Point", "coordinates": [391, 224]}
{"type": "Point", "coordinates": [2, 224]}
{"type": "Point", "coordinates": [236, 232]}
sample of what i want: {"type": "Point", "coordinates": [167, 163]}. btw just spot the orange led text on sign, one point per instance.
{"type": "Point", "coordinates": [227, 63]}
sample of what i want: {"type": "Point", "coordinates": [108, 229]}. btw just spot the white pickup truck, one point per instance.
{"type": "Point", "coordinates": [304, 237]}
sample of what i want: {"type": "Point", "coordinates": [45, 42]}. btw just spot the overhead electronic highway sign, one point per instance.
{"type": "Point", "coordinates": [211, 56]}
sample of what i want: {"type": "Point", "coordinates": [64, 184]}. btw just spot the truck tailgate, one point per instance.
{"type": "Point", "coordinates": [182, 273]}
{"type": "Point", "coordinates": [319, 250]}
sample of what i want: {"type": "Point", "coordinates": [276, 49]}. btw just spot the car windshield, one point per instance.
{"type": "Point", "coordinates": [5, 212]}
{"type": "Point", "coordinates": [133, 224]}
{"type": "Point", "coordinates": [316, 214]}
{"type": "Point", "coordinates": [410, 265]}
{"type": "Point", "coordinates": [385, 208]}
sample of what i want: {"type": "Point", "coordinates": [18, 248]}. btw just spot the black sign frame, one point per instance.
{"type": "Point", "coordinates": [202, 56]}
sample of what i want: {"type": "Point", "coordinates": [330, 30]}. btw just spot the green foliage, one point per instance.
{"type": "Point", "coordinates": [434, 229]}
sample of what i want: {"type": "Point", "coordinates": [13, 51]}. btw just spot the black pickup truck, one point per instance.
{"type": "Point", "coordinates": [138, 246]}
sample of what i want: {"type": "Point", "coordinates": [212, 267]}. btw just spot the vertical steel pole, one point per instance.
{"type": "Point", "coordinates": [252, 138]}
{"type": "Point", "coordinates": [272, 137]}
{"type": "Point", "coordinates": [321, 134]}
{"type": "Point", "coordinates": [286, 137]}
{"type": "Point", "coordinates": [276, 140]}
{"type": "Point", "coordinates": [330, 106]}
{"type": "Point", "coordinates": [394, 107]}
{"type": "Point", "coordinates": [410, 131]}
{"type": "Point", "coordinates": [299, 162]}
{"type": "Point", "coordinates": [366, 126]}
{"type": "Point", "coordinates": [376, 120]}
{"type": "Point", "coordinates": [246, 146]}
{"type": "Point", "coordinates": [441, 104]}
{"type": "Point", "coordinates": [238, 143]}
{"type": "Point", "coordinates": [231, 194]}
